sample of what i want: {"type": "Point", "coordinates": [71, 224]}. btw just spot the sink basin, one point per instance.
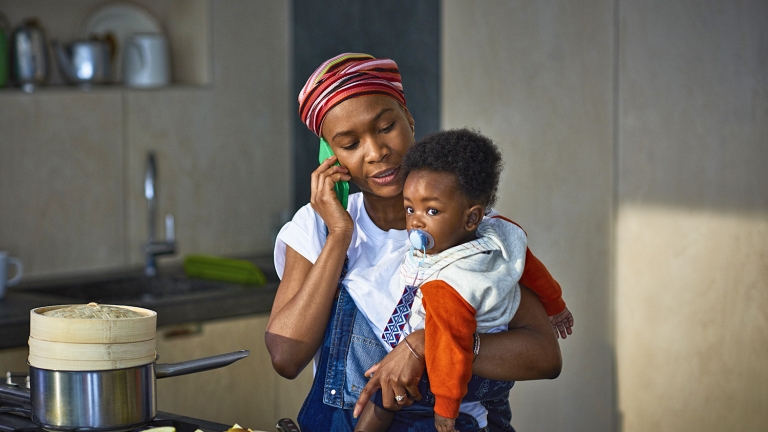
{"type": "Point", "coordinates": [137, 290]}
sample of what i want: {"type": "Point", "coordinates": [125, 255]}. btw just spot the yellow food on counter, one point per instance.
{"type": "Point", "coordinates": [237, 428]}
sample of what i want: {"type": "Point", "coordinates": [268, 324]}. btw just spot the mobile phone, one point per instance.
{"type": "Point", "coordinates": [341, 187]}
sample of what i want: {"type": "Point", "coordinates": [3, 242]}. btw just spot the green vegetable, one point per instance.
{"type": "Point", "coordinates": [223, 269]}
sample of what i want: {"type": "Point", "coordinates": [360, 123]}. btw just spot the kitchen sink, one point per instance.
{"type": "Point", "coordinates": [138, 290]}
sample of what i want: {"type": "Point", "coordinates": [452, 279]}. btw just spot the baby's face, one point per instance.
{"type": "Point", "coordinates": [433, 203]}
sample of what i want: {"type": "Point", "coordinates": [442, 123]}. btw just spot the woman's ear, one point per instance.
{"type": "Point", "coordinates": [474, 217]}
{"type": "Point", "coordinates": [409, 117]}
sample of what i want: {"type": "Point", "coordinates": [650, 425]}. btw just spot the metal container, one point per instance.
{"type": "Point", "coordinates": [107, 400]}
{"type": "Point", "coordinates": [30, 55]}
{"type": "Point", "coordinates": [84, 62]}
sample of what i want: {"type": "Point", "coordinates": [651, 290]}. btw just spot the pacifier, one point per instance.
{"type": "Point", "coordinates": [421, 240]}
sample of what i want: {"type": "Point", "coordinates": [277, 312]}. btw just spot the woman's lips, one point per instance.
{"type": "Point", "coordinates": [385, 177]}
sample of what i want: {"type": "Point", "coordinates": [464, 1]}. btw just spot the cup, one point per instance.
{"type": "Point", "coordinates": [5, 260]}
{"type": "Point", "coordinates": [146, 61]}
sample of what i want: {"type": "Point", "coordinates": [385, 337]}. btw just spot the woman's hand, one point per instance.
{"type": "Point", "coordinates": [323, 197]}
{"type": "Point", "coordinates": [397, 374]}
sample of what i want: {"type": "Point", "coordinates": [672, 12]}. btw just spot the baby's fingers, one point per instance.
{"type": "Point", "coordinates": [559, 330]}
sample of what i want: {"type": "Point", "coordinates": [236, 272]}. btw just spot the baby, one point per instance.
{"type": "Point", "coordinates": [465, 268]}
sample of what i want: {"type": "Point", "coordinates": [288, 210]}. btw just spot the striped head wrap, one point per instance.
{"type": "Point", "coordinates": [344, 77]}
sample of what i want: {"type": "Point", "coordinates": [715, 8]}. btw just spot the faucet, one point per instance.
{"type": "Point", "coordinates": [155, 248]}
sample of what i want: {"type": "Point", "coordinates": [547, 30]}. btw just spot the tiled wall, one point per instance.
{"type": "Point", "coordinates": [72, 162]}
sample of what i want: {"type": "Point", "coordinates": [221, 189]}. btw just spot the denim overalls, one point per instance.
{"type": "Point", "coordinates": [349, 348]}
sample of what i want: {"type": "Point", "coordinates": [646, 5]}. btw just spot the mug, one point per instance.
{"type": "Point", "coordinates": [4, 261]}
{"type": "Point", "coordinates": [145, 61]}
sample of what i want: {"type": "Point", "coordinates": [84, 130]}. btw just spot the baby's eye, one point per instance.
{"type": "Point", "coordinates": [432, 212]}
{"type": "Point", "coordinates": [408, 210]}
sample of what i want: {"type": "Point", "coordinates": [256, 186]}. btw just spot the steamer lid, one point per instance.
{"type": "Point", "coordinates": [93, 311]}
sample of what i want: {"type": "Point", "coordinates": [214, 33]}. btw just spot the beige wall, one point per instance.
{"type": "Point", "coordinates": [537, 78]}
{"type": "Point", "coordinates": [650, 210]}
{"type": "Point", "coordinates": [72, 162]}
{"type": "Point", "coordinates": [692, 226]}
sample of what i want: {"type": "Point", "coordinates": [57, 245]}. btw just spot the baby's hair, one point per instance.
{"type": "Point", "coordinates": [473, 158]}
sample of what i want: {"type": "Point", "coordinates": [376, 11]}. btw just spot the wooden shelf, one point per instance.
{"type": "Point", "coordinates": [70, 89]}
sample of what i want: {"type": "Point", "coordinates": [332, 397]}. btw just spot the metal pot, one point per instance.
{"type": "Point", "coordinates": [107, 400]}
{"type": "Point", "coordinates": [84, 62]}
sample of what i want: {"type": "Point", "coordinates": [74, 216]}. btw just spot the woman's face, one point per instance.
{"type": "Point", "coordinates": [370, 135]}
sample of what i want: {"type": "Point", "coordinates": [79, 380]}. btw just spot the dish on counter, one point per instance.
{"type": "Point", "coordinates": [120, 20]}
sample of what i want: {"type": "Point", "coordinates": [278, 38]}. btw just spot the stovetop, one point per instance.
{"type": "Point", "coordinates": [15, 412]}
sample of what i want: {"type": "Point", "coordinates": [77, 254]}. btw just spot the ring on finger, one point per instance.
{"type": "Point", "coordinates": [399, 398]}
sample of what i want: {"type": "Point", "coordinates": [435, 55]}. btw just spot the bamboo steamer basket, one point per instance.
{"type": "Point", "coordinates": [87, 365]}
{"type": "Point", "coordinates": [103, 329]}
{"type": "Point", "coordinates": [91, 337]}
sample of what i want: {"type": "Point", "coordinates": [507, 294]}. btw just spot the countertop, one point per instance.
{"type": "Point", "coordinates": [231, 301]}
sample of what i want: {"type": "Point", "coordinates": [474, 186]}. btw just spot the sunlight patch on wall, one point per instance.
{"type": "Point", "coordinates": [691, 319]}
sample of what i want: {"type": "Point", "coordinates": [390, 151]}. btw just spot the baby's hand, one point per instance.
{"type": "Point", "coordinates": [444, 424]}
{"type": "Point", "coordinates": [562, 323]}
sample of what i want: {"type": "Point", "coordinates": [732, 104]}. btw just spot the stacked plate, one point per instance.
{"type": "Point", "coordinates": [91, 337]}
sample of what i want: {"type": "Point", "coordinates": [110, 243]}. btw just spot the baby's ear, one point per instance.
{"type": "Point", "coordinates": [474, 217]}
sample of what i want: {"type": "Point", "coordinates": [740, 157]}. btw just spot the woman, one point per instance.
{"type": "Point", "coordinates": [343, 265]}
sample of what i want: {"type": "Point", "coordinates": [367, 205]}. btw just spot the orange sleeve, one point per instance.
{"type": "Point", "coordinates": [450, 323]}
{"type": "Point", "coordinates": [537, 278]}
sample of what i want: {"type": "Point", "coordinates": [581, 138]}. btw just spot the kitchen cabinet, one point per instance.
{"type": "Point", "coordinates": [13, 360]}
{"type": "Point", "coordinates": [248, 392]}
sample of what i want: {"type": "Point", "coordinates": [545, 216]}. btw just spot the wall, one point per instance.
{"type": "Point", "coordinates": [72, 162]}
{"type": "Point", "coordinates": [537, 78]}
{"type": "Point", "coordinates": [692, 226]}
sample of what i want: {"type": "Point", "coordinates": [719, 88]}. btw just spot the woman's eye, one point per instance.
{"type": "Point", "coordinates": [351, 146]}
{"type": "Point", "coordinates": [409, 210]}
{"type": "Point", "coordinates": [432, 212]}
{"type": "Point", "coordinates": [386, 129]}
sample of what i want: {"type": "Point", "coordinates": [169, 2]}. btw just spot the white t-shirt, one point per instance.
{"type": "Point", "coordinates": [374, 258]}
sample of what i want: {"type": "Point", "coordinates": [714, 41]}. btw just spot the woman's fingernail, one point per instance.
{"type": "Point", "coordinates": [331, 157]}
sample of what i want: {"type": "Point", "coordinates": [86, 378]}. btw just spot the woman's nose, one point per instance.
{"type": "Point", "coordinates": [376, 151]}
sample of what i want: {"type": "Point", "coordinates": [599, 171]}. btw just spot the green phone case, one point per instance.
{"type": "Point", "coordinates": [342, 187]}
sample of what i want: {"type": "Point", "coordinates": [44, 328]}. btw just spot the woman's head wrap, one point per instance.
{"type": "Point", "coordinates": [344, 77]}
